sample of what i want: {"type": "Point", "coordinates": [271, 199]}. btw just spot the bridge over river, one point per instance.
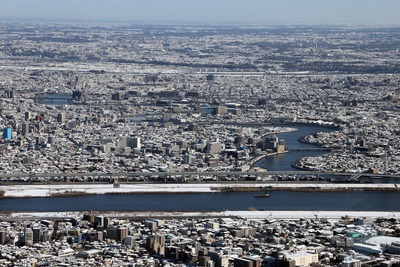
{"type": "Point", "coordinates": [215, 174]}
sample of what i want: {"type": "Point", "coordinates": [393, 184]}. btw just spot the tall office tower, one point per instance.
{"type": "Point", "coordinates": [61, 117]}
{"type": "Point", "coordinates": [122, 232]}
{"type": "Point", "coordinates": [112, 232]}
{"type": "Point", "coordinates": [25, 128]}
{"type": "Point", "coordinates": [135, 142]}
{"type": "Point", "coordinates": [3, 236]}
{"type": "Point", "coordinates": [28, 236]}
{"type": "Point", "coordinates": [7, 133]}
{"type": "Point", "coordinates": [37, 234]}
{"type": "Point", "coordinates": [100, 221]}
{"type": "Point", "coordinates": [28, 115]}
{"type": "Point", "coordinates": [156, 244]}
{"type": "Point", "coordinates": [130, 241]}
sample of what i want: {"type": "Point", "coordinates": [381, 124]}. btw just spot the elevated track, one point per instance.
{"type": "Point", "coordinates": [5, 176]}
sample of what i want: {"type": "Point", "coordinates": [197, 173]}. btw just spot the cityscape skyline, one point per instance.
{"type": "Point", "coordinates": [371, 12]}
{"type": "Point", "coordinates": [208, 145]}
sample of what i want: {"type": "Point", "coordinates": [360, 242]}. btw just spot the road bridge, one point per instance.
{"type": "Point", "coordinates": [309, 149]}
{"type": "Point", "coordinates": [200, 174]}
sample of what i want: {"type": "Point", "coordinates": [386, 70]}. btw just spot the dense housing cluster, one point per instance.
{"type": "Point", "coordinates": [101, 240]}
{"type": "Point", "coordinates": [128, 98]}
{"type": "Point", "coordinates": [102, 99]}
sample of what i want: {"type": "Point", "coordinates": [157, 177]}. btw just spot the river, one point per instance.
{"type": "Point", "coordinates": [278, 200]}
{"type": "Point", "coordinates": [283, 162]}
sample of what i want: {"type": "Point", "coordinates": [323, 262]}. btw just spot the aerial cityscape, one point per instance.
{"type": "Point", "coordinates": [199, 145]}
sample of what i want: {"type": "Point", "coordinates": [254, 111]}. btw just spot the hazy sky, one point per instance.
{"type": "Point", "coordinates": [208, 11]}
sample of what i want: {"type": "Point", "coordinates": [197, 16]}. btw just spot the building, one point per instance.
{"type": "Point", "coordinates": [299, 258]}
{"type": "Point", "coordinates": [28, 115]}
{"type": "Point", "coordinates": [7, 133]}
{"type": "Point", "coordinates": [350, 262]}
{"type": "Point", "coordinates": [221, 110]}
{"type": "Point", "coordinates": [25, 128]}
{"type": "Point", "coordinates": [28, 237]}
{"type": "Point", "coordinates": [3, 236]}
{"type": "Point", "coordinates": [122, 232]}
{"type": "Point", "coordinates": [132, 142]}
{"type": "Point", "coordinates": [367, 248]}
{"type": "Point", "coordinates": [112, 232]}
{"type": "Point", "coordinates": [61, 117]}
{"type": "Point", "coordinates": [116, 96]}
{"type": "Point", "coordinates": [101, 221]}
{"type": "Point", "coordinates": [214, 147]}
{"type": "Point", "coordinates": [130, 241]}
{"type": "Point", "coordinates": [247, 262]}
{"type": "Point", "coordinates": [156, 244]}
{"type": "Point", "coordinates": [37, 234]}
{"type": "Point", "coordinates": [189, 159]}
{"type": "Point", "coordinates": [274, 144]}
{"type": "Point", "coordinates": [51, 139]}
{"type": "Point", "coordinates": [219, 259]}
{"type": "Point", "coordinates": [78, 96]}
{"type": "Point", "coordinates": [393, 248]}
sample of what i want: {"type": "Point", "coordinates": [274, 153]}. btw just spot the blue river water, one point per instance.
{"type": "Point", "coordinates": [282, 162]}
{"type": "Point", "coordinates": [279, 200]}
{"type": "Point", "coordinates": [54, 99]}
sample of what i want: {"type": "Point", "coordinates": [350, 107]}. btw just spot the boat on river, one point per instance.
{"type": "Point", "coordinates": [262, 195]}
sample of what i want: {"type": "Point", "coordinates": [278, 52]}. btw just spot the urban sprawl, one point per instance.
{"type": "Point", "coordinates": [116, 104]}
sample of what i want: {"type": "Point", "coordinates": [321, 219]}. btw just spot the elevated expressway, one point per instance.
{"type": "Point", "coordinates": [214, 174]}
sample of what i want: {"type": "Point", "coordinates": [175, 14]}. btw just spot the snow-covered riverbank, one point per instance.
{"type": "Point", "coordinates": [238, 214]}
{"type": "Point", "coordinates": [74, 189]}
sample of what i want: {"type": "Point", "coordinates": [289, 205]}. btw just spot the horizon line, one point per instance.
{"type": "Point", "coordinates": [198, 23]}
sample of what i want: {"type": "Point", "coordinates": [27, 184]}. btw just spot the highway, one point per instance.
{"type": "Point", "coordinates": [205, 173]}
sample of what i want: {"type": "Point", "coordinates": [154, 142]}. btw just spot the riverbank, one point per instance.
{"type": "Point", "coordinates": [253, 214]}
{"type": "Point", "coordinates": [254, 160]}
{"type": "Point", "coordinates": [57, 190]}
{"type": "Point", "coordinates": [258, 158]}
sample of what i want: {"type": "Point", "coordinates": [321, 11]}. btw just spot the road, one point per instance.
{"type": "Point", "coordinates": [205, 173]}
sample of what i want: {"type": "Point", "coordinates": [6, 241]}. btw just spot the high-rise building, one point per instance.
{"type": "Point", "coordinates": [3, 236]}
{"type": "Point", "coordinates": [28, 236]}
{"type": "Point", "coordinates": [78, 96]}
{"type": "Point", "coordinates": [25, 128]}
{"type": "Point", "coordinates": [28, 115]}
{"type": "Point", "coordinates": [214, 147]}
{"type": "Point", "coordinates": [61, 117]}
{"type": "Point", "coordinates": [7, 133]}
{"type": "Point", "coordinates": [132, 142]}
{"type": "Point", "coordinates": [112, 232]}
{"type": "Point", "coordinates": [122, 232]}
{"type": "Point", "coordinates": [130, 241]}
{"type": "Point", "coordinates": [51, 139]}
{"type": "Point", "coordinates": [156, 244]}
{"type": "Point", "coordinates": [100, 221]}
{"type": "Point", "coordinates": [116, 96]}
{"type": "Point", "coordinates": [37, 234]}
